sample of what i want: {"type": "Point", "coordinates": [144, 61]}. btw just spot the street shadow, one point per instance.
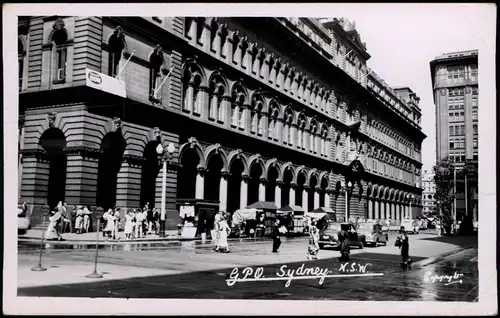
{"type": "Point", "coordinates": [462, 241]}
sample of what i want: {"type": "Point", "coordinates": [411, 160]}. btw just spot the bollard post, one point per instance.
{"type": "Point", "coordinates": [39, 267]}
{"type": "Point", "coordinates": [95, 274]}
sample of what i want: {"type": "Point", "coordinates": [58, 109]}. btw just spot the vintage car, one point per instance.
{"type": "Point", "coordinates": [374, 233]}
{"type": "Point", "coordinates": [410, 226]}
{"type": "Point", "coordinates": [23, 222]}
{"type": "Point", "coordinates": [329, 235]}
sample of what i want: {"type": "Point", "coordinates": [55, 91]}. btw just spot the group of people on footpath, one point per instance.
{"type": "Point", "coordinates": [138, 222]}
{"type": "Point", "coordinates": [82, 220]}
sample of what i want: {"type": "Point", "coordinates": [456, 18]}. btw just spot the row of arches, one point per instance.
{"type": "Point", "coordinates": [234, 178]}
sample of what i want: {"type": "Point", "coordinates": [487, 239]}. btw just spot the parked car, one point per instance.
{"type": "Point", "coordinates": [23, 222]}
{"type": "Point", "coordinates": [410, 226]}
{"type": "Point", "coordinates": [374, 233]}
{"type": "Point", "coordinates": [330, 235]}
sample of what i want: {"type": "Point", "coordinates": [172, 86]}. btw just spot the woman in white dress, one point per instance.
{"type": "Point", "coordinates": [86, 219]}
{"type": "Point", "coordinates": [129, 225]}
{"type": "Point", "coordinates": [223, 232]}
{"type": "Point", "coordinates": [139, 223]}
{"type": "Point", "coordinates": [109, 218]}
{"type": "Point", "coordinates": [116, 222]}
{"type": "Point", "coordinates": [79, 220]}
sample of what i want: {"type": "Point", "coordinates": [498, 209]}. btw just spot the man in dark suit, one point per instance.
{"type": "Point", "coordinates": [276, 236]}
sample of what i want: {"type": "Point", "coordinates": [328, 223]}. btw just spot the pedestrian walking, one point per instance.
{"type": "Point", "coordinates": [116, 223]}
{"type": "Point", "coordinates": [129, 225]}
{"type": "Point", "coordinates": [79, 220]}
{"type": "Point", "coordinates": [139, 224]}
{"type": "Point", "coordinates": [216, 231]}
{"type": "Point", "coordinates": [223, 232]}
{"type": "Point", "coordinates": [86, 219]}
{"type": "Point", "coordinates": [276, 236]}
{"type": "Point", "coordinates": [156, 221]}
{"type": "Point", "coordinates": [405, 249]}
{"type": "Point", "coordinates": [313, 247]}
{"type": "Point", "coordinates": [344, 245]}
{"type": "Point", "coordinates": [149, 217]}
{"type": "Point", "coordinates": [53, 229]}
{"type": "Point", "coordinates": [110, 223]}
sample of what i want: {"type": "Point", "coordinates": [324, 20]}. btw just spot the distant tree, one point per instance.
{"type": "Point", "coordinates": [443, 177]}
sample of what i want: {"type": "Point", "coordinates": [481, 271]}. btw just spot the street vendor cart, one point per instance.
{"type": "Point", "coordinates": [292, 217]}
{"type": "Point", "coordinates": [242, 219]}
{"type": "Point", "coordinates": [268, 211]}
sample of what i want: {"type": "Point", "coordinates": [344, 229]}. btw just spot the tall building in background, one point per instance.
{"type": "Point", "coordinates": [455, 86]}
{"type": "Point", "coordinates": [428, 193]}
{"type": "Point", "coordinates": [456, 96]}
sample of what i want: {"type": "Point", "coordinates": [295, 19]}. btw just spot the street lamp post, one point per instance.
{"type": "Point", "coordinates": [346, 189]}
{"type": "Point", "coordinates": [165, 154]}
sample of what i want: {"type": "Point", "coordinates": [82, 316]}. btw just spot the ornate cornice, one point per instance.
{"type": "Point", "coordinates": [85, 152]}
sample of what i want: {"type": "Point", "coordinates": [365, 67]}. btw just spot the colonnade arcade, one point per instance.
{"type": "Point", "coordinates": [238, 179]}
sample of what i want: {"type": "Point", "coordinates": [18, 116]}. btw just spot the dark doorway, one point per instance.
{"type": "Point", "coordinates": [186, 184]}
{"type": "Point", "coordinates": [112, 148]}
{"type": "Point", "coordinates": [285, 188]}
{"type": "Point", "coordinates": [272, 176]}
{"type": "Point", "coordinates": [324, 185]}
{"type": "Point", "coordinates": [150, 168]}
{"type": "Point", "coordinates": [311, 191]}
{"type": "Point", "coordinates": [253, 183]}
{"type": "Point", "coordinates": [54, 142]}
{"type": "Point", "coordinates": [212, 178]}
{"type": "Point", "coordinates": [234, 186]}
{"type": "Point", "coordinates": [301, 179]}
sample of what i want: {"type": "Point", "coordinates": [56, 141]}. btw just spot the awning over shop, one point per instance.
{"type": "Point", "coordinates": [315, 215]}
{"type": "Point", "coordinates": [263, 205]}
{"type": "Point", "coordinates": [323, 210]}
{"type": "Point", "coordinates": [295, 209]}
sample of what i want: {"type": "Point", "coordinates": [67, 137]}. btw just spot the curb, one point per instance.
{"type": "Point", "coordinates": [135, 241]}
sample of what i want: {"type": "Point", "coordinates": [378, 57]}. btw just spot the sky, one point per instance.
{"type": "Point", "coordinates": [402, 40]}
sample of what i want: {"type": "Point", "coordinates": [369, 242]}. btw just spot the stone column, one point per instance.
{"type": "Point", "coordinates": [237, 54]}
{"type": "Point", "coordinates": [295, 84]}
{"type": "Point", "coordinates": [128, 183]}
{"type": "Point", "coordinates": [393, 211]}
{"type": "Point", "coordinates": [377, 212]}
{"type": "Point", "coordinates": [327, 198]}
{"type": "Point", "coordinates": [291, 200]}
{"type": "Point", "coordinates": [243, 191]}
{"type": "Point", "coordinates": [223, 191]}
{"type": "Point", "coordinates": [217, 47]}
{"type": "Point", "coordinates": [200, 183]}
{"type": "Point", "coordinates": [305, 198]}
{"type": "Point", "coordinates": [277, 193]}
{"type": "Point", "coordinates": [300, 89]}
{"type": "Point", "coordinates": [188, 99]}
{"type": "Point", "coordinates": [288, 81]}
{"type": "Point", "coordinates": [262, 189]}
{"type": "Point", "coordinates": [256, 63]}
{"type": "Point", "coordinates": [316, 197]}
{"type": "Point", "coordinates": [273, 73]}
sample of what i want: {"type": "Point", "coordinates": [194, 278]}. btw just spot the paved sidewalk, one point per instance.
{"type": "Point", "coordinates": [36, 234]}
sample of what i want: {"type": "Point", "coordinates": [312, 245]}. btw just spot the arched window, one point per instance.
{"type": "Point", "coordinates": [273, 132]}
{"type": "Point", "coordinates": [217, 91]}
{"type": "Point", "coordinates": [60, 51]}
{"type": "Point", "coordinates": [191, 80]}
{"type": "Point", "coordinates": [313, 131]}
{"type": "Point", "coordinates": [287, 127]}
{"type": "Point", "coordinates": [116, 44]}
{"type": "Point", "coordinates": [301, 126]}
{"type": "Point", "coordinates": [155, 69]}
{"type": "Point", "coordinates": [257, 118]}
{"type": "Point", "coordinates": [238, 97]}
{"type": "Point", "coordinates": [324, 141]}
